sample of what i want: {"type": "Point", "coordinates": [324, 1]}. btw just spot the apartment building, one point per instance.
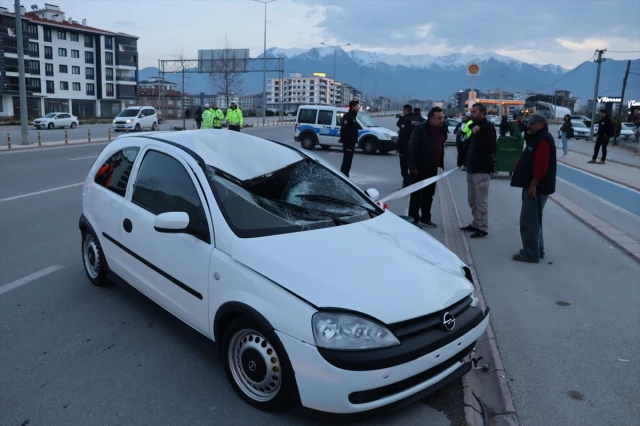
{"type": "Point", "coordinates": [298, 90]}
{"type": "Point", "coordinates": [70, 66]}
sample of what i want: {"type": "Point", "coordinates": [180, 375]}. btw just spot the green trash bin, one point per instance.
{"type": "Point", "coordinates": [508, 151]}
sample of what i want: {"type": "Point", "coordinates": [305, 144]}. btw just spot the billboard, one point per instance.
{"type": "Point", "coordinates": [223, 60]}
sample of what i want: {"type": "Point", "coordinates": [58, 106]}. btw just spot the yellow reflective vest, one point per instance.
{"type": "Point", "coordinates": [207, 118]}
{"type": "Point", "coordinates": [217, 117]}
{"type": "Point", "coordinates": [466, 129]}
{"type": "Point", "coordinates": [234, 117]}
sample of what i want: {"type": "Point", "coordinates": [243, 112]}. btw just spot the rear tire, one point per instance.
{"type": "Point", "coordinates": [93, 260]}
{"type": "Point", "coordinates": [257, 365]}
{"type": "Point", "coordinates": [308, 141]}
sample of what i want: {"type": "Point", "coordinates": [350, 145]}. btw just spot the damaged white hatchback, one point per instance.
{"type": "Point", "coordinates": [314, 294]}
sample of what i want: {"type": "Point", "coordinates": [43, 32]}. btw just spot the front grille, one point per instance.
{"type": "Point", "coordinates": [426, 323]}
{"type": "Point", "coordinates": [121, 122]}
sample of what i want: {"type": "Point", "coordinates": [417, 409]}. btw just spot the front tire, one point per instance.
{"type": "Point", "coordinates": [257, 365]}
{"type": "Point", "coordinates": [93, 260]}
{"type": "Point", "coordinates": [369, 146]}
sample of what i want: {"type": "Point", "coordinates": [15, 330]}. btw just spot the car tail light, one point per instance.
{"type": "Point", "coordinates": [296, 128]}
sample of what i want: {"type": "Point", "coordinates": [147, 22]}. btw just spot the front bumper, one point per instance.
{"type": "Point", "coordinates": [388, 145]}
{"type": "Point", "coordinates": [324, 387]}
{"type": "Point", "coordinates": [123, 127]}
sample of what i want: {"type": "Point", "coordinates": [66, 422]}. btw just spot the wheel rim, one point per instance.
{"type": "Point", "coordinates": [307, 143]}
{"type": "Point", "coordinates": [91, 256]}
{"type": "Point", "coordinates": [255, 365]}
{"type": "Point", "coordinates": [368, 147]}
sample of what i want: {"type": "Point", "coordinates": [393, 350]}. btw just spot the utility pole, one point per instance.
{"type": "Point", "coordinates": [554, 100]}
{"type": "Point", "coordinates": [501, 88]}
{"type": "Point", "coordinates": [24, 119]}
{"type": "Point", "coordinates": [595, 90]}
{"type": "Point", "coordinates": [264, 63]}
{"type": "Point", "coordinates": [624, 87]}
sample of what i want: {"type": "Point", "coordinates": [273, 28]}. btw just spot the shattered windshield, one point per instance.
{"type": "Point", "coordinates": [366, 119]}
{"type": "Point", "coordinates": [302, 196]}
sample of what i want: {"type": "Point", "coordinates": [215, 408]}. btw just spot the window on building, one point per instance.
{"type": "Point", "coordinates": [109, 74]}
{"type": "Point", "coordinates": [51, 86]}
{"type": "Point", "coordinates": [114, 173]}
{"type": "Point", "coordinates": [75, 70]}
{"type": "Point", "coordinates": [88, 57]}
{"type": "Point", "coordinates": [74, 37]}
{"type": "Point", "coordinates": [62, 35]}
{"type": "Point", "coordinates": [34, 49]}
{"type": "Point", "coordinates": [108, 43]}
{"type": "Point", "coordinates": [77, 87]}
{"type": "Point", "coordinates": [75, 53]}
{"type": "Point", "coordinates": [108, 58]}
{"type": "Point", "coordinates": [48, 70]}
{"type": "Point", "coordinates": [63, 69]}
{"type": "Point", "coordinates": [88, 41]}
{"type": "Point", "coordinates": [62, 51]}
{"type": "Point", "coordinates": [47, 35]}
{"type": "Point", "coordinates": [110, 89]}
{"type": "Point", "coordinates": [64, 85]}
{"type": "Point", "coordinates": [35, 67]}
{"type": "Point", "coordinates": [91, 89]}
{"type": "Point", "coordinates": [90, 73]}
{"type": "Point", "coordinates": [48, 52]}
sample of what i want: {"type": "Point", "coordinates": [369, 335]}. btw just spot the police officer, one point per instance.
{"type": "Point", "coordinates": [234, 117]}
{"type": "Point", "coordinates": [218, 116]}
{"type": "Point", "coordinates": [349, 136]}
{"type": "Point", "coordinates": [207, 117]}
{"type": "Point", "coordinates": [405, 126]}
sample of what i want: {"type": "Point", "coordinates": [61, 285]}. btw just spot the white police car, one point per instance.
{"type": "Point", "coordinates": [320, 125]}
{"type": "Point", "coordinates": [232, 234]}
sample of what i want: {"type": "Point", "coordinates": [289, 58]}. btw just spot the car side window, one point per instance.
{"type": "Point", "coordinates": [325, 118]}
{"type": "Point", "coordinates": [114, 173]}
{"type": "Point", "coordinates": [307, 116]}
{"type": "Point", "coordinates": [163, 185]}
{"type": "Point", "coordinates": [339, 117]}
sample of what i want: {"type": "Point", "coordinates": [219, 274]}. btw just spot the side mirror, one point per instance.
{"type": "Point", "coordinates": [171, 222]}
{"type": "Point", "coordinates": [373, 194]}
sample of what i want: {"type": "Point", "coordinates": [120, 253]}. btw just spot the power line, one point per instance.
{"type": "Point", "coordinates": [623, 51]}
{"type": "Point", "coordinates": [569, 73]}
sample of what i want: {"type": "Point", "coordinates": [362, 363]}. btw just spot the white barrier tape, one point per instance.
{"type": "Point", "coordinates": [415, 187]}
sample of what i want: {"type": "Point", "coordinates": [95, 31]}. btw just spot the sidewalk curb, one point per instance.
{"type": "Point", "coordinates": [15, 148]}
{"type": "Point", "coordinates": [626, 185]}
{"type": "Point", "coordinates": [611, 234]}
{"type": "Point", "coordinates": [503, 410]}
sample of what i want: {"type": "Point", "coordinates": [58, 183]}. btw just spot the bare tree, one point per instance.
{"type": "Point", "coordinates": [183, 64]}
{"type": "Point", "coordinates": [226, 69]}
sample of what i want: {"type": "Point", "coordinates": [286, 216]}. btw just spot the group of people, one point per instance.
{"type": "Point", "coordinates": [212, 116]}
{"type": "Point", "coordinates": [421, 148]}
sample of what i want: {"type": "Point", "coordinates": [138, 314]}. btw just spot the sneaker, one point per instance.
{"type": "Point", "coordinates": [600, 162]}
{"type": "Point", "coordinates": [469, 228]}
{"type": "Point", "coordinates": [479, 234]}
{"type": "Point", "coordinates": [592, 161]}
{"type": "Point", "coordinates": [428, 224]}
{"type": "Point", "coordinates": [524, 253]}
{"type": "Point", "coordinates": [520, 257]}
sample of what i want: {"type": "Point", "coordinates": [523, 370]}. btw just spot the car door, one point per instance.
{"type": "Point", "coordinates": [325, 125]}
{"type": "Point", "coordinates": [147, 121]}
{"type": "Point", "coordinates": [171, 268]}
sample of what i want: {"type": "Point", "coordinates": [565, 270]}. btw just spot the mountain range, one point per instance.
{"type": "Point", "coordinates": [430, 77]}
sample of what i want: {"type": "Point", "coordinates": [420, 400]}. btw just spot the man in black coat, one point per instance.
{"type": "Point", "coordinates": [426, 154]}
{"type": "Point", "coordinates": [405, 126]}
{"type": "Point", "coordinates": [605, 132]}
{"type": "Point", "coordinates": [349, 136]}
{"type": "Point", "coordinates": [479, 159]}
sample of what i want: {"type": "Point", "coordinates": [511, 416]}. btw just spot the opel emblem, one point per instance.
{"type": "Point", "coordinates": [252, 365]}
{"type": "Point", "coordinates": [448, 321]}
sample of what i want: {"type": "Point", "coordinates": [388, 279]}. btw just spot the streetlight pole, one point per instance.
{"type": "Point", "coordinates": [24, 119]}
{"type": "Point", "coordinates": [264, 63]}
{"type": "Point", "coordinates": [335, 61]}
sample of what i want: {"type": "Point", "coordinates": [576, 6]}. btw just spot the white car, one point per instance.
{"type": "Point", "coordinates": [251, 243]}
{"type": "Point", "coordinates": [136, 118]}
{"type": "Point", "coordinates": [56, 120]}
{"type": "Point", "coordinates": [452, 123]}
{"type": "Point", "coordinates": [580, 131]}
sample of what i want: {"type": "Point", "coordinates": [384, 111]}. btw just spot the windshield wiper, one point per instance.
{"type": "Point", "coordinates": [337, 201]}
{"type": "Point", "coordinates": [309, 211]}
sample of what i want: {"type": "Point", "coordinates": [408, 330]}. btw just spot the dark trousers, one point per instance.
{"type": "Point", "coordinates": [234, 127]}
{"type": "Point", "coordinates": [601, 142]}
{"type": "Point", "coordinates": [198, 123]}
{"type": "Point", "coordinates": [347, 158]}
{"type": "Point", "coordinates": [217, 127]}
{"type": "Point", "coordinates": [420, 201]}
{"type": "Point", "coordinates": [404, 170]}
{"type": "Point", "coordinates": [531, 224]}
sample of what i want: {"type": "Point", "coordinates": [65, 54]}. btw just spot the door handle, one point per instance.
{"type": "Point", "coordinates": [127, 225]}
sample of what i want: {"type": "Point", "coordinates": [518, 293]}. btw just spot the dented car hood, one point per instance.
{"type": "Point", "coordinates": [383, 267]}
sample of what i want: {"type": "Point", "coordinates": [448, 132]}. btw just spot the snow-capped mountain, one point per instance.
{"type": "Point", "coordinates": [427, 76]}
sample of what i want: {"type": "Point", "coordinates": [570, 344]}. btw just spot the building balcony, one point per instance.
{"type": "Point", "coordinates": [126, 79]}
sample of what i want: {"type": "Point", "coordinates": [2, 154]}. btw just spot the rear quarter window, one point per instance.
{"type": "Point", "coordinates": [307, 116]}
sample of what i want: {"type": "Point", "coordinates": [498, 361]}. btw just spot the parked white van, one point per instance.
{"type": "Point", "coordinates": [320, 125]}
{"type": "Point", "coordinates": [136, 118]}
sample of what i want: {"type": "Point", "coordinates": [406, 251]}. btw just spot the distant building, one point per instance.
{"type": "Point", "coordinates": [70, 66]}
{"type": "Point", "coordinates": [296, 90]}
{"type": "Point", "coordinates": [169, 103]}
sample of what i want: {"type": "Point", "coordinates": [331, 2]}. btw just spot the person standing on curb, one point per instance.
{"type": "Point", "coordinates": [605, 132]}
{"type": "Point", "coordinates": [535, 173]}
{"type": "Point", "coordinates": [207, 117]}
{"type": "Point", "coordinates": [218, 116]}
{"type": "Point", "coordinates": [405, 126]}
{"type": "Point", "coordinates": [479, 156]}
{"type": "Point", "coordinates": [349, 136]}
{"type": "Point", "coordinates": [426, 154]}
{"type": "Point", "coordinates": [566, 130]}
{"type": "Point", "coordinates": [234, 117]}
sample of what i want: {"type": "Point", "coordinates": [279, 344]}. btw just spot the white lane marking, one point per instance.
{"type": "Point", "coordinates": [83, 158]}
{"type": "Point", "coordinates": [29, 278]}
{"type": "Point", "coordinates": [40, 192]}
{"type": "Point", "coordinates": [600, 178]}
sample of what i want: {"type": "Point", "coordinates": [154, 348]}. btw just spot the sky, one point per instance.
{"type": "Point", "coordinates": [561, 32]}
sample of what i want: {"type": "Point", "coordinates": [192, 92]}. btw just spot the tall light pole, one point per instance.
{"type": "Point", "coordinates": [264, 63]}
{"type": "Point", "coordinates": [24, 124]}
{"type": "Point", "coordinates": [335, 60]}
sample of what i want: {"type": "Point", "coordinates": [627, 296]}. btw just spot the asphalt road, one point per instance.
{"type": "Point", "coordinates": [567, 328]}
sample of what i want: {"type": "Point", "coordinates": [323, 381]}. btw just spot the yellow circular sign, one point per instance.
{"type": "Point", "coordinates": [473, 69]}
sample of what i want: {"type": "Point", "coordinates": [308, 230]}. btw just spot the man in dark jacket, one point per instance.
{"type": "Point", "coordinates": [405, 126]}
{"type": "Point", "coordinates": [605, 132]}
{"type": "Point", "coordinates": [479, 159]}
{"type": "Point", "coordinates": [417, 116]}
{"type": "Point", "coordinates": [426, 154]}
{"type": "Point", "coordinates": [535, 173]}
{"type": "Point", "coordinates": [349, 136]}
{"type": "Point", "coordinates": [198, 117]}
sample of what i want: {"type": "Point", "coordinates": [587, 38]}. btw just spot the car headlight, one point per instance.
{"type": "Point", "coordinates": [114, 121]}
{"type": "Point", "coordinates": [128, 121]}
{"type": "Point", "coordinates": [338, 331]}
{"type": "Point", "coordinates": [388, 136]}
